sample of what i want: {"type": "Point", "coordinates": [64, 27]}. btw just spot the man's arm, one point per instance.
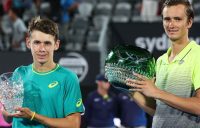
{"type": "Point", "coordinates": [190, 105]}
{"type": "Point", "coordinates": [146, 103]}
{"type": "Point", "coordinates": [148, 88]}
{"type": "Point", "coordinates": [71, 121]}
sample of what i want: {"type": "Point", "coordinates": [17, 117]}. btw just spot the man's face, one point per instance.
{"type": "Point", "coordinates": [11, 14]}
{"type": "Point", "coordinates": [104, 85]}
{"type": "Point", "coordinates": [42, 47]}
{"type": "Point", "coordinates": [175, 22]}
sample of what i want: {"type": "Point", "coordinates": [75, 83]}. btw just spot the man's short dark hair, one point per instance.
{"type": "Point", "coordinates": [44, 25]}
{"type": "Point", "coordinates": [186, 3]}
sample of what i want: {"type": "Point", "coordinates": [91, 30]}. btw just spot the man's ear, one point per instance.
{"type": "Point", "coordinates": [57, 45]}
{"type": "Point", "coordinates": [190, 22]}
{"type": "Point", "coordinates": [28, 42]}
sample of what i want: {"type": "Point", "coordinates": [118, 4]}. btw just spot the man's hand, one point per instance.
{"type": "Point", "coordinates": [143, 85]}
{"type": "Point", "coordinates": [23, 113]}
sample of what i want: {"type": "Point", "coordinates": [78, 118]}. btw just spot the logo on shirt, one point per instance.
{"type": "Point", "coordinates": [53, 84]}
{"type": "Point", "coordinates": [79, 102]}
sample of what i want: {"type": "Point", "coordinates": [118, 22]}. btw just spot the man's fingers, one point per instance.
{"type": "Point", "coordinates": [140, 77]}
{"type": "Point", "coordinates": [135, 89]}
{"type": "Point", "coordinates": [134, 84]}
{"type": "Point", "coordinates": [131, 81]}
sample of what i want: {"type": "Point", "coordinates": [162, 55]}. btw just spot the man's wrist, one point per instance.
{"type": "Point", "coordinates": [158, 94]}
{"type": "Point", "coordinates": [33, 116]}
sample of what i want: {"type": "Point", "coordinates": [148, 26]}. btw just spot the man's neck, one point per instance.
{"type": "Point", "coordinates": [44, 67]}
{"type": "Point", "coordinates": [102, 92]}
{"type": "Point", "coordinates": [177, 47]}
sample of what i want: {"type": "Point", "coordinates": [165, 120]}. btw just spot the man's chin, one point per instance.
{"type": "Point", "coordinates": [42, 62]}
{"type": "Point", "coordinates": [173, 39]}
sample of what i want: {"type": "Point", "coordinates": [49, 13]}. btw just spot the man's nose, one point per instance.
{"type": "Point", "coordinates": [171, 23]}
{"type": "Point", "coordinates": [42, 47]}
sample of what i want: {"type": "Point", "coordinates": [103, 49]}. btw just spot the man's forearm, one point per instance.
{"type": "Point", "coordinates": [146, 103]}
{"type": "Point", "coordinates": [190, 104]}
{"type": "Point", "coordinates": [71, 121]}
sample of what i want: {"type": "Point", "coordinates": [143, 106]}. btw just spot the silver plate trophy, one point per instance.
{"type": "Point", "coordinates": [11, 91]}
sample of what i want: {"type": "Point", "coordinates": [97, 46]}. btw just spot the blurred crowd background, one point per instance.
{"type": "Point", "coordinates": [82, 22]}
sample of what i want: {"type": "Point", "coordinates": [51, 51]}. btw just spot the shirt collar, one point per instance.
{"type": "Point", "coordinates": [181, 55]}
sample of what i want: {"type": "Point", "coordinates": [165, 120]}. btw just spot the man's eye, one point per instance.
{"type": "Point", "coordinates": [167, 19]}
{"type": "Point", "coordinates": [36, 42]}
{"type": "Point", "coordinates": [47, 43]}
{"type": "Point", "coordinates": [178, 19]}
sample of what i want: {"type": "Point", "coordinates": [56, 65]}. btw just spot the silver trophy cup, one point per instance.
{"type": "Point", "coordinates": [11, 91]}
